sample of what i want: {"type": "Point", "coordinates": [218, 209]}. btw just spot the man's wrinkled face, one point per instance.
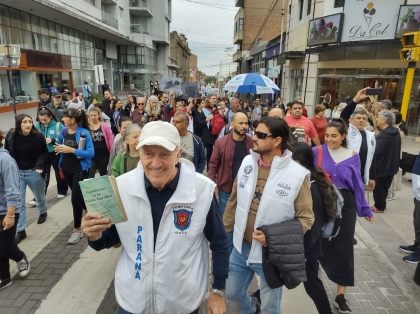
{"type": "Point", "coordinates": [159, 164]}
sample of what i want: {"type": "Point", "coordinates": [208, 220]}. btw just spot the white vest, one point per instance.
{"type": "Point", "coordinates": [173, 278]}
{"type": "Point", "coordinates": [354, 141]}
{"type": "Point", "coordinates": [277, 201]}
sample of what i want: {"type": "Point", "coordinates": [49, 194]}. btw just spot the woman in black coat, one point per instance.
{"type": "Point", "coordinates": [130, 107]}
{"type": "Point", "coordinates": [324, 198]}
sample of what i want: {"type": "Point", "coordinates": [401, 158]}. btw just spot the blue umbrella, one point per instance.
{"type": "Point", "coordinates": [251, 83]}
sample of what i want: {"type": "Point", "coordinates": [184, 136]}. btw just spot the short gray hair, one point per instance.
{"type": "Point", "coordinates": [387, 104]}
{"type": "Point", "coordinates": [127, 132]}
{"type": "Point", "coordinates": [359, 111]}
{"type": "Point", "coordinates": [184, 114]}
{"type": "Point", "coordinates": [388, 116]}
{"type": "Point", "coordinates": [233, 99]}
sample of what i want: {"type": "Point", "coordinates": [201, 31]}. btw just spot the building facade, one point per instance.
{"type": "Point", "coordinates": [124, 42]}
{"type": "Point", "coordinates": [181, 53]}
{"type": "Point", "coordinates": [342, 46]}
{"type": "Point", "coordinates": [256, 23]}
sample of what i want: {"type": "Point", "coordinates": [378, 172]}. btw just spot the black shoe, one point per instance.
{"type": "Point", "coordinates": [257, 299]}
{"type": "Point", "coordinates": [23, 266]}
{"type": "Point", "coordinates": [354, 241]}
{"type": "Point", "coordinates": [342, 304]}
{"type": "Point", "coordinates": [42, 218]}
{"type": "Point", "coordinates": [20, 236]}
{"type": "Point", "coordinates": [5, 283]}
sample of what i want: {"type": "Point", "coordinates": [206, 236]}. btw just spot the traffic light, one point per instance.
{"type": "Point", "coordinates": [410, 40]}
{"type": "Point", "coordinates": [410, 54]}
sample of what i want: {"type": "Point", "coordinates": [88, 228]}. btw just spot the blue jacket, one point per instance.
{"type": "Point", "coordinates": [199, 154]}
{"type": "Point", "coordinates": [52, 131]}
{"type": "Point", "coordinates": [88, 153]}
{"type": "Point", "coordinates": [9, 183]}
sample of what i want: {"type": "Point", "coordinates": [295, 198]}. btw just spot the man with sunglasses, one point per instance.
{"type": "Point", "coordinates": [228, 153]}
{"type": "Point", "coordinates": [277, 192]}
{"type": "Point", "coordinates": [303, 126]}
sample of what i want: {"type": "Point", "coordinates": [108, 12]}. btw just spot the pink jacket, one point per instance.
{"type": "Point", "coordinates": [109, 138]}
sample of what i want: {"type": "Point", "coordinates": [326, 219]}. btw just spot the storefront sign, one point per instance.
{"type": "Point", "coordinates": [325, 30]}
{"type": "Point", "coordinates": [366, 20]}
{"type": "Point", "coordinates": [408, 20]}
{"type": "Point", "coordinates": [272, 52]}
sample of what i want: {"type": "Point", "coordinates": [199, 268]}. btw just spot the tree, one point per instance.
{"type": "Point", "coordinates": [210, 79]}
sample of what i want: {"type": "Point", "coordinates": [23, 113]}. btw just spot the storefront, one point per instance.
{"type": "Point", "coordinates": [274, 69]}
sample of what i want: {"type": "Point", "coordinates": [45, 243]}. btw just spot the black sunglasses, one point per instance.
{"type": "Point", "coordinates": [262, 136]}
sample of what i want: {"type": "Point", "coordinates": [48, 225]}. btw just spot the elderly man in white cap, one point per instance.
{"type": "Point", "coordinates": [172, 216]}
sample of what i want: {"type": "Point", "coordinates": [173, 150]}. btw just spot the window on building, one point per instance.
{"type": "Point", "coordinates": [339, 3]}
{"type": "Point", "coordinates": [308, 11]}
{"type": "Point", "coordinates": [300, 9]}
{"type": "Point", "coordinates": [239, 25]}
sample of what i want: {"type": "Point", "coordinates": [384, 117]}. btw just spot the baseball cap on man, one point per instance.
{"type": "Point", "coordinates": [159, 133]}
{"type": "Point", "coordinates": [56, 94]}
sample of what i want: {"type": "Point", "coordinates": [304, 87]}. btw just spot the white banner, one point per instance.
{"type": "Point", "coordinates": [171, 83]}
{"type": "Point", "coordinates": [206, 91]}
{"type": "Point", "coordinates": [264, 90]}
{"type": "Point", "coordinates": [365, 20]}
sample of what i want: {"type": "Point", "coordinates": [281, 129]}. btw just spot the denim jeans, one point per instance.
{"type": "Point", "coordinates": [240, 277]}
{"type": "Point", "coordinates": [36, 183]}
{"type": "Point", "coordinates": [122, 311]}
{"type": "Point", "coordinates": [223, 198]}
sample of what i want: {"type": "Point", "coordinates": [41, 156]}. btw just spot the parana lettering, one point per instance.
{"type": "Point", "coordinates": [139, 249]}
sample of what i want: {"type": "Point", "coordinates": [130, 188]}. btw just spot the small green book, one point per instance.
{"type": "Point", "coordinates": [102, 197]}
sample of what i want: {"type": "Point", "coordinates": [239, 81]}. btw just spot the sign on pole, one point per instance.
{"type": "Point", "coordinates": [14, 51]}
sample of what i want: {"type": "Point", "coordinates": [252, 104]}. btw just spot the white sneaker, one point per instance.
{"type": "Point", "coordinates": [23, 266]}
{"type": "Point", "coordinates": [32, 203]}
{"type": "Point", "coordinates": [75, 237]}
{"type": "Point", "coordinates": [59, 196]}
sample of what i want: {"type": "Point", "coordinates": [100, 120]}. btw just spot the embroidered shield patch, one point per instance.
{"type": "Point", "coordinates": [182, 219]}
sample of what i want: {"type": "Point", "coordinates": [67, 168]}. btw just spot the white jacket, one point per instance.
{"type": "Point", "coordinates": [354, 141]}
{"type": "Point", "coordinates": [277, 201]}
{"type": "Point", "coordinates": [173, 278]}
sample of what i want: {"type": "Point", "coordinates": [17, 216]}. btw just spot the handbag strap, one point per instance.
{"type": "Point", "coordinates": [319, 156]}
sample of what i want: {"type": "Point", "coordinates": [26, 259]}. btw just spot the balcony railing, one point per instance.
{"type": "Point", "coordinates": [138, 29]}
{"type": "Point", "coordinates": [237, 39]}
{"type": "Point", "coordinates": [109, 20]}
{"type": "Point", "coordinates": [138, 3]}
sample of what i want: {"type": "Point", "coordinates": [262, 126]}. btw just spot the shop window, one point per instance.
{"type": "Point", "coordinates": [27, 40]}
{"type": "Point", "coordinates": [14, 18]}
{"type": "Point", "coordinates": [51, 29]}
{"type": "Point", "coordinates": [339, 3]}
{"type": "Point", "coordinates": [35, 24]}
{"type": "Point", "coordinates": [16, 36]}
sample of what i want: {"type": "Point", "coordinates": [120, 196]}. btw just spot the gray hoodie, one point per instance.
{"type": "Point", "coordinates": [9, 183]}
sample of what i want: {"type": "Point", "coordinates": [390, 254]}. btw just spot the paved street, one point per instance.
{"type": "Point", "coordinates": [75, 279]}
{"type": "Point", "coordinates": [7, 119]}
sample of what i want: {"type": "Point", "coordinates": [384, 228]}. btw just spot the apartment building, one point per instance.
{"type": "Point", "coordinates": [257, 31]}
{"type": "Point", "coordinates": [124, 41]}
{"type": "Point", "coordinates": [181, 53]}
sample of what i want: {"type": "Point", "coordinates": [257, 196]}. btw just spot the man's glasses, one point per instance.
{"type": "Point", "coordinates": [261, 135]}
{"type": "Point", "coordinates": [140, 103]}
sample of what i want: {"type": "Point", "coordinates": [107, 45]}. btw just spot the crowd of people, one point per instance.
{"type": "Point", "coordinates": [258, 157]}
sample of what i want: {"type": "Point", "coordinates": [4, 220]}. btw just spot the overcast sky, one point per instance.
{"type": "Point", "coordinates": [208, 26]}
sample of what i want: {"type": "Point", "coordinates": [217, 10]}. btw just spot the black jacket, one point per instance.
{"type": "Point", "coordinates": [387, 152]}
{"type": "Point", "coordinates": [283, 259]}
{"type": "Point", "coordinates": [40, 149]}
{"type": "Point", "coordinates": [126, 110]}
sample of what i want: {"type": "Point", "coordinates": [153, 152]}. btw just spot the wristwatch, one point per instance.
{"type": "Point", "coordinates": [218, 292]}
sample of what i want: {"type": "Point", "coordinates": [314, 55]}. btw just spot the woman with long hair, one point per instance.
{"type": "Point", "coordinates": [102, 143]}
{"type": "Point", "coordinates": [129, 157]}
{"type": "Point", "coordinates": [209, 139]}
{"type": "Point", "coordinates": [28, 147]}
{"type": "Point", "coordinates": [153, 109]}
{"type": "Point", "coordinates": [115, 115]}
{"type": "Point", "coordinates": [196, 110]}
{"type": "Point", "coordinates": [10, 200]}
{"type": "Point", "coordinates": [75, 161]}
{"type": "Point", "coordinates": [130, 106]}
{"type": "Point", "coordinates": [324, 198]}
{"type": "Point", "coordinates": [51, 128]}
{"type": "Point", "coordinates": [343, 166]}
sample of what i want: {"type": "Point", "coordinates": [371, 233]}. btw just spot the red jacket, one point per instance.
{"type": "Point", "coordinates": [220, 166]}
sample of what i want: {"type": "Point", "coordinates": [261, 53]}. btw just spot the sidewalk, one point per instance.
{"type": "Point", "coordinates": [77, 280]}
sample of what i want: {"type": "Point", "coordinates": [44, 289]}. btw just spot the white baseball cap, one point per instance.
{"type": "Point", "coordinates": [159, 133]}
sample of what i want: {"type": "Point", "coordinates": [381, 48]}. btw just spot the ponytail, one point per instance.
{"type": "Point", "coordinates": [341, 127]}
